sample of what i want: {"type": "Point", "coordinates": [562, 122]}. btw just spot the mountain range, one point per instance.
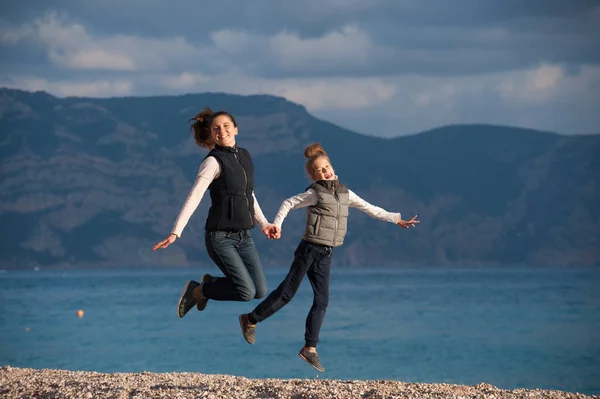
{"type": "Point", "coordinates": [91, 182]}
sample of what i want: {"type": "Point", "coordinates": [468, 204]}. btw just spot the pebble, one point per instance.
{"type": "Point", "coordinates": [45, 384]}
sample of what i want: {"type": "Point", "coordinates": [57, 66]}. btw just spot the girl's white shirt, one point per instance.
{"type": "Point", "coordinates": [209, 170]}
{"type": "Point", "coordinates": [310, 198]}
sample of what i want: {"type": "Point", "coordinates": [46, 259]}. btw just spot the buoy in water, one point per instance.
{"type": "Point", "coordinates": [80, 313]}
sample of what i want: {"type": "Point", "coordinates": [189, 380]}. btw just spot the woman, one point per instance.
{"type": "Point", "coordinates": [228, 173]}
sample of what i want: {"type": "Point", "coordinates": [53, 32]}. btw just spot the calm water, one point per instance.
{"type": "Point", "coordinates": [507, 327]}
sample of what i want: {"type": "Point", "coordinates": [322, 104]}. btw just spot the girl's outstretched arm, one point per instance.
{"type": "Point", "coordinates": [379, 213]}
{"type": "Point", "coordinates": [372, 210]}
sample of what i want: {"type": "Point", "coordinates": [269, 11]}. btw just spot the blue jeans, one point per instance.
{"type": "Point", "coordinates": [234, 253]}
{"type": "Point", "coordinates": [315, 262]}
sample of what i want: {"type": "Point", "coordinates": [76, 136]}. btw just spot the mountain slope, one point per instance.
{"type": "Point", "coordinates": [95, 182]}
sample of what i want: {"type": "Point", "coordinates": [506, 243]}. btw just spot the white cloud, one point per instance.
{"type": "Point", "coordinates": [546, 77]}
{"type": "Point", "coordinates": [316, 70]}
{"type": "Point", "coordinates": [70, 45]}
{"type": "Point", "coordinates": [13, 35]}
{"type": "Point", "coordinates": [98, 88]}
{"type": "Point", "coordinates": [438, 94]}
{"type": "Point", "coordinates": [346, 49]}
{"type": "Point", "coordinates": [533, 86]}
{"type": "Point", "coordinates": [347, 94]}
{"type": "Point", "coordinates": [348, 45]}
{"type": "Point", "coordinates": [184, 81]}
{"type": "Point", "coordinates": [314, 94]}
{"type": "Point", "coordinates": [56, 33]}
{"type": "Point", "coordinates": [230, 41]}
{"type": "Point", "coordinates": [93, 59]}
{"type": "Point", "coordinates": [543, 97]}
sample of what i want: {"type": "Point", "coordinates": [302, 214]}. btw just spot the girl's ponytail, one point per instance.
{"type": "Point", "coordinates": [314, 149]}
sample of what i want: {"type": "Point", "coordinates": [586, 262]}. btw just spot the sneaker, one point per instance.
{"type": "Point", "coordinates": [206, 278]}
{"type": "Point", "coordinates": [311, 358]}
{"type": "Point", "coordinates": [187, 301]}
{"type": "Point", "coordinates": [248, 330]}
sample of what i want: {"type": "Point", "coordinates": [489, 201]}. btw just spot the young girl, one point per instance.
{"type": "Point", "coordinates": [327, 202]}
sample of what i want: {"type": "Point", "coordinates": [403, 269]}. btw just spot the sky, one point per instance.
{"type": "Point", "coordinates": [379, 67]}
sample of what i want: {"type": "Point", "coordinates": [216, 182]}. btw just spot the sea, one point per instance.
{"type": "Point", "coordinates": [509, 327]}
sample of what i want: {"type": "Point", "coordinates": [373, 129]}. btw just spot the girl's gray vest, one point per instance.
{"type": "Point", "coordinates": [327, 221]}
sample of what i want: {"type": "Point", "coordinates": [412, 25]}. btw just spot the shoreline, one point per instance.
{"type": "Point", "coordinates": [18, 382]}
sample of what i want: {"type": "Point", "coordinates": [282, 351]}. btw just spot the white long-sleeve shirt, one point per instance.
{"type": "Point", "coordinates": [310, 198]}
{"type": "Point", "coordinates": [209, 170]}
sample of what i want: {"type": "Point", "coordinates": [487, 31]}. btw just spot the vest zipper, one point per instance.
{"type": "Point", "coordinates": [337, 217]}
{"type": "Point", "coordinates": [235, 154]}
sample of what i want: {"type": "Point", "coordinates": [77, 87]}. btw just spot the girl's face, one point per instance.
{"type": "Point", "coordinates": [322, 170]}
{"type": "Point", "coordinates": [223, 131]}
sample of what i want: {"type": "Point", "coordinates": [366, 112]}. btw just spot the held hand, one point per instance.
{"type": "Point", "coordinates": [272, 232]}
{"type": "Point", "coordinates": [275, 232]}
{"type": "Point", "coordinates": [267, 230]}
{"type": "Point", "coordinates": [166, 242]}
{"type": "Point", "coordinates": [405, 224]}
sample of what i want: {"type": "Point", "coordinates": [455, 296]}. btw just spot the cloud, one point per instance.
{"type": "Point", "coordinates": [347, 94]}
{"type": "Point", "coordinates": [95, 88]}
{"type": "Point", "coordinates": [93, 59]}
{"type": "Point", "coordinates": [413, 66]}
{"type": "Point", "coordinates": [543, 97]}
{"type": "Point", "coordinates": [69, 45]}
{"type": "Point", "coordinates": [546, 97]}
{"type": "Point", "coordinates": [534, 86]}
{"type": "Point", "coordinates": [11, 35]}
{"type": "Point", "coordinates": [344, 51]}
{"type": "Point", "coordinates": [314, 94]}
{"type": "Point", "coordinates": [184, 81]}
{"type": "Point", "coordinates": [438, 95]}
{"type": "Point", "coordinates": [284, 40]}
{"type": "Point", "coordinates": [336, 49]}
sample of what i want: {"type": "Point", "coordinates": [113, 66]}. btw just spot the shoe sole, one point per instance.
{"type": "Point", "coordinates": [306, 360]}
{"type": "Point", "coordinates": [185, 288]}
{"type": "Point", "coordinates": [242, 327]}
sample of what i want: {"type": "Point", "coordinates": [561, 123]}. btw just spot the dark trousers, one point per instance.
{"type": "Point", "coordinates": [314, 261]}
{"type": "Point", "coordinates": [234, 253]}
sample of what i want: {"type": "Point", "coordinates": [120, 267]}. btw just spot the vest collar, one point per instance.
{"type": "Point", "coordinates": [329, 184]}
{"type": "Point", "coordinates": [226, 149]}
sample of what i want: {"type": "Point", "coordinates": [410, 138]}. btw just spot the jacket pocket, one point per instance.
{"type": "Point", "coordinates": [317, 226]}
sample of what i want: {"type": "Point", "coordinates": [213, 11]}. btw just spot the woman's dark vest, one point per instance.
{"type": "Point", "coordinates": [232, 205]}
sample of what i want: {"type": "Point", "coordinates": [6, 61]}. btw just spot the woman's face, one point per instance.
{"type": "Point", "coordinates": [223, 131]}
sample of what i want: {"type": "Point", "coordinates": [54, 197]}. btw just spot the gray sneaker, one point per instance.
{"type": "Point", "coordinates": [186, 301]}
{"type": "Point", "coordinates": [311, 358]}
{"type": "Point", "coordinates": [206, 278]}
{"type": "Point", "coordinates": [248, 330]}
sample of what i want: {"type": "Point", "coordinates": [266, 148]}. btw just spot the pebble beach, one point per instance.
{"type": "Point", "coordinates": [32, 383]}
